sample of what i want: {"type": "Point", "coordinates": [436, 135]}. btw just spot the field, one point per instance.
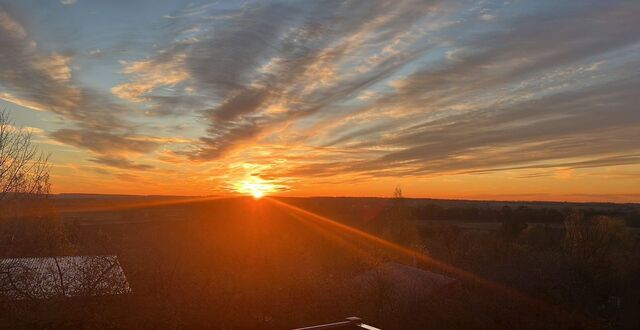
{"type": "Point", "coordinates": [283, 263]}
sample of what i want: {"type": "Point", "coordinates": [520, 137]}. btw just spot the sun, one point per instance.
{"type": "Point", "coordinates": [257, 194]}
{"type": "Point", "coordinates": [254, 186]}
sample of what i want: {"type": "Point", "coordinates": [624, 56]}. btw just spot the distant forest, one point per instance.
{"type": "Point", "coordinates": [355, 209]}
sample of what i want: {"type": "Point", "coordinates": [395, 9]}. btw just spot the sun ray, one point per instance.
{"type": "Point", "coordinates": [105, 206]}
{"type": "Point", "coordinates": [427, 260]}
{"type": "Point", "coordinates": [335, 236]}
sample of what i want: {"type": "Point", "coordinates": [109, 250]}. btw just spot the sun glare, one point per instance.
{"type": "Point", "coordinates": [255, 187]}
{"type": "Point", "coordinates": [257, 194]}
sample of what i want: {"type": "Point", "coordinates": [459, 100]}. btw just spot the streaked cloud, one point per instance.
{"type": "Point", "coordinates": [121, 163]}
{"type": "Point", "coordinates": [102, 142]}
{"type": "Point", "coordinates": [149, 75]}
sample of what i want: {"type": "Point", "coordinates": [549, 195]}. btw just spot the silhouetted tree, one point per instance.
{"type": "Point", "coordinates": [23, 168]}
{"type": "Point", "coordinates": [400, 224]}
{"type": "Point", "coordinates": [27, 224]}
{"type": "Point", "coordinates": [513, 223]}
{"type": "Point", "coordinates": [592, 241]}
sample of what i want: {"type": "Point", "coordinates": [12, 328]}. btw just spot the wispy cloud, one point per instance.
{"type": "Point", "coordinates": [102, 142]}
{"type": "Point", "coordinates": [44, 81]}
{"type": "Point", "coordinates": [149, 75]}
{"type": "Point", "coordinates": [121, 163]}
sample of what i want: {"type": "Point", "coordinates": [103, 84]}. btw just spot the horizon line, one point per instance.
{"type": "Point", "coordinates": [370, 197]}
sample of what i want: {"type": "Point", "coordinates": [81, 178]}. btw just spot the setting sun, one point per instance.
{"type": "Point", "coordinates": [257, 194]}
{"type": "Point", "coordinates": [255, 186]}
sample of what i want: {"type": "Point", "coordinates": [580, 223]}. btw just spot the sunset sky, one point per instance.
{"type": "Point", "coordinates": [515, 100]}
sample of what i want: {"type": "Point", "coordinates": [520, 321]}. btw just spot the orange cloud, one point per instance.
{"type": "Point", "coordinates": [149, 75]}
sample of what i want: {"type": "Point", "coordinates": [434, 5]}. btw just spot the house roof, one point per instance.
{"type": "Point", "coordinates": [403, 281]}
{"type": "Point", "coordinates": [68, 276]}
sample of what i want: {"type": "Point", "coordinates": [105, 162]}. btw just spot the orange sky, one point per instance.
{"type": "Point", "coordinates": [487, 100]}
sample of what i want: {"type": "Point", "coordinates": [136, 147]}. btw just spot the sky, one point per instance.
{"type": "Point", "coordinates": [503, 100]}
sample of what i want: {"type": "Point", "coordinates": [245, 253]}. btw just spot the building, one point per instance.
{"type": "Point", "coordinates": [67, 276]}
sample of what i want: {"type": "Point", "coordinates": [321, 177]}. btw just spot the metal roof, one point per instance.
{"type": "Point", "coordinates": [402, 281]}
{"type": "Point", "coordinates": [68, 276]}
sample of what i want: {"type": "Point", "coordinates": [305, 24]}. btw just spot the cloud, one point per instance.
{"type": "Point", "coordinates": [13, 29]}
{"type": "Point", "coordinates": [44, 81]}
{"type": "Point", "coordinates": [500, 97]}
{"type": "Point", "coordinates": [104, 143]}
{"type": "Point", "coordinates": [487, 17]}
{"type": "Point", "coordinates": [121, 163]}
{"type": "Point", "coordinates": [149, 75]}
{"type": "Point", "coordinates": [284, 55]}
{"type": "Point", "coordinates": [521, 113]}
{"type": "Point", "coordinates": [24, 103]}
{"type": "Point", "coordinates": [29, 75]}
{"type": "Point", "coordinates": [68, 2]}
{"type": "Point", "coordinates": [56, 66]}
{"type": "Point", "coordinates": [573, 130]}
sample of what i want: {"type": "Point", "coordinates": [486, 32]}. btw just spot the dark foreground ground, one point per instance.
{"type": "Point", "coordinates": [259, 264]}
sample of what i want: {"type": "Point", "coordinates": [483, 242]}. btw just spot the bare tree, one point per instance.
{"type": "Point", "coordinates": [26, 222]}
{"type": "Point", "coordinates": [594, 240]}
{"type": "Point", "coordinates": [24, 169]}
{"type": "Point", "coordinates": [400, 224]}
